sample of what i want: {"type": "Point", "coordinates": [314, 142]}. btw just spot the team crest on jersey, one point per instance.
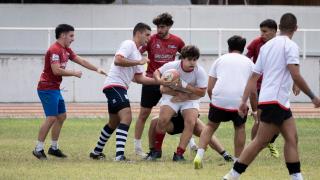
{"type": "Point", "coordinates": [172, 46]}
{"type": "Point", "coordinates": [55, 57]}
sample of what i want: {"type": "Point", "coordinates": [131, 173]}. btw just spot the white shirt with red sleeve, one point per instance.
{"type": "Point", "coordinates": [272, 62]}
{"type": "Point", "coordinates": [122, 76]}
{"type": "Point", "coordinates": [232, 71]}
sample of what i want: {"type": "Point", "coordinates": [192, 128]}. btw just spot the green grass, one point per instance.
{"type": "Point", "coordinates": [78, 137]}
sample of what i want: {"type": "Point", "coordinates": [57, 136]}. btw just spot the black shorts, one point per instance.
{"type": "Point", "coordinates": [117, 99]}
{"type": "Point", "coordinates": [217, 115]}
{"type": "Point", "coordinates": [274, 113]}
{"type": "Point", "coordinates": [178, 124]}
{"type": "Point", "coordinates": [150, 95]}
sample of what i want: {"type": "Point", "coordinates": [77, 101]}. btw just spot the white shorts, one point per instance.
{"type": "Point", "coordinates": [191, 104]}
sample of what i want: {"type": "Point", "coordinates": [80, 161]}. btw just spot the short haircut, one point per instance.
{"type": "Point", "coordinates": [141, 27]}
{"type": "Point", "coordinates": [288, 22]}
{"type": "Point", "coordinates": [236, 43]}
{"type": "Point", "coordinates": [63, 28]}
{"type": "Point", "coordinates": [190, 51]}
{"type": "Point", "coordinates": [269, 23]}
{"type": "Point", "coordinates": [163, 19]}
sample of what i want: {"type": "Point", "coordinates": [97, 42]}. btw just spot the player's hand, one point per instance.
{"type": "Point", "coordinates": [296, 90]}
{"type": "Point", "coordinates": [316, 102]}
{"type": "Point", "coordinates": [143, 61]}
{"type": "Point", "coordinates": [243, 109]}
{"type": "Point", "coordinates": [101, 71]}
{"type": "Point", "coordinates": [78, 74]}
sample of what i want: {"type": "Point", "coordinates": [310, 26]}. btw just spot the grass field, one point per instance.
{"type": "Point", "coordinates": [78, 137]}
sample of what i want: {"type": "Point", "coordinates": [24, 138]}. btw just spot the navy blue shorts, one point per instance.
{"type": "Point", "coordinates": [218, 115]}
{"type": "Point", "coordinates": [150, 95]}
{"type": "Point", "coordinates": [117, 99]}
{"type": "Point", "coordinates": [52, 102]}
{"type": "Point", "coordinates": [273, 113]}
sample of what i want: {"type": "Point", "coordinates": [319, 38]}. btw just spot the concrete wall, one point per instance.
{"type": "Point", "coordinates": [105, 42]}
{"type": "Point", "coordinates": [19, 75]}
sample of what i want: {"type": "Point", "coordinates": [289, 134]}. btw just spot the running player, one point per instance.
{"type": "Point", "coordinates": [268, 29]}
{"type": "Point", "coordinates": [227, 79]}
{"type": "Point", "coordinates": [56, 60]}
{"type": "Point", "coordinates": [278, 61]}
{"type": "Point", "coordinates": [161, 48]}
{"type": "Point", "coordinates": [127, 66]}
{"type": "Point", "coordinates": [193, 79]}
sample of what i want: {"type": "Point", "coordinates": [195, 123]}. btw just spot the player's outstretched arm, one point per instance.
{"type": "Point", "coordinates": [301, 83]}
{"type": "Point", "coordinates": [124, 62]}
{"type": "Point", "coordinates": [83, 62]}
{"type": "Point", "coordinates": [64, 72]}
{"type": "Point", "coordinates": [142, 79]}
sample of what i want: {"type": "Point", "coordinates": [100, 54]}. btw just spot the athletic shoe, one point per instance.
{"type": "Point", "coordinates": [178, 158]}
{"type": "Point", "coordinates": [273, 150]}
{"type": "Point", "coordinates": [230, 177]}
{"type": "Point", "coordinates": [39, 154]}
{"type": "Point", "coordinates": [228, 158]}
{"type": "Point", "coordinates": [121, 158]}
{"type": "Point", "coordinates": [153, 155]}
{"type": "Point", "coordinates": [94, 156]}
{"type": "Point", "coordinates": [197, 162]}
{"type": "Point", "coordinates": [140, 153]}
{"type": "Point", "coordinates": [56, 152]}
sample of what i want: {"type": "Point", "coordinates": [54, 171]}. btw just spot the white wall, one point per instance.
{"type": "Point", "coordinates": [19, 75]}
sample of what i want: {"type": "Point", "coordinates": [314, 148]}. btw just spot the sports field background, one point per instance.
{"type": "Point", "coordinates": [78, 137]}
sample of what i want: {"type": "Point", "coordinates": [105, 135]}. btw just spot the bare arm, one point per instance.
{"type": "Point", "coordinates": [83, 62]}
{"type": "Point", "coordinates": [168, 90]}
{"type": "Point", "coordinates": [124, 62]}
{"type": "Point", "coordinates": [64, 72]}
{"type": "Point", "coordinates": [211, 83]}
{"type": "Point", "coordinates": [301, 83]}
{"type": "Point", "coordinates": [142, 79]}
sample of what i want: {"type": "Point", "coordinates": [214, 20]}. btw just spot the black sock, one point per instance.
{"type": "Point", "coordinates": [293, 167]}
{"type": "Point", "coordinates": [121, 139]}
{"type": "Point", "coordinates": [239, 167]}
{"type": "Point", "coordinates": [104, 136]}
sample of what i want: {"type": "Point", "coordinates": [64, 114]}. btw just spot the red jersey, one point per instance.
{"type": "Point", "coordinates": [161, 51]}
{"type": "Point", "coordinates": [253, 52]}
{"type": "Point", "coordinates": [56, 54]}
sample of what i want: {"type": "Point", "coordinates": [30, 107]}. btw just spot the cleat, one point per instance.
{"type": "Point", "coordinates": [121, 158]}
{"type": "Point", "coordinates": [153, 155]}
{"type": "Point", "coordinates": [57, 153]}
{"type": "Point", "coordinates": [197, 162]}
{"type": "Point", "coordinates": [178, 158]}
{"type": "Point", "coordinates": [39, 154]}
{"type": "Point", "coordinates": [140, 153]}
{"type": "Point", "coordinates": [228, 158]}
{"type": "Point", "coordinates": [94, 156]}
{"type": "Point", "coordinates": [229, 176]}
{"type": "Point", "coordinates": [273, 150]}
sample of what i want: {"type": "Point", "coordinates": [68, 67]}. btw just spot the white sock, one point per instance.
{"type": "Point", "coordinates": [137, 144]}
{"type": "Point", "coordinates": [235, 159]}
{"type": "Point", "coordinates": [54, 145]}
{"type": "Point", "coordinates": [296, 176]}
{"type": "Point", "coordinates": [234, 173]}
{"type": "Point", "coordinates": [192, 142]}
{"type": "Point", "coordinates": [200, 153]}
{"type": "Point", "coordinates": [39, 146]}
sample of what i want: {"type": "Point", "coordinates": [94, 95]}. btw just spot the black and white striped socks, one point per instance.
{"type": "Point", "coordinates": [121, 139]}
{"type": "Point", "coordinates": [105, 135]}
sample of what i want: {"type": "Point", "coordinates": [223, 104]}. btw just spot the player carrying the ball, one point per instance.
{"type": "Point", "coordinates": [193, 79]}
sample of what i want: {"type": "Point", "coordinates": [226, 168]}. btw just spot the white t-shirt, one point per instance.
{"type": "Point", "coordinates": [196, 78]}
{"type": "Point", "coordinates": [232, 71]}
{"type": "Point", "coordinates": [272, 62]}
{"type": "Point", "coordinates": [122, 76]}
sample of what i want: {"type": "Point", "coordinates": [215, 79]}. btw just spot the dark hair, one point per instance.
{"type": "Point", "coordinates": [163, 19]}
{"type": "Point", "coordinates": [288, 22]}
{"type": "Point", "coordinates": [141, 27]}
{"type": "Point", "coordinates": [236, 43]}
{"type": "Point", "coordinates": [269, 23]}
{"type": "Point", "coordinates": [63, 28]}
{"type": "Point", "coordinates": [190, 51]}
